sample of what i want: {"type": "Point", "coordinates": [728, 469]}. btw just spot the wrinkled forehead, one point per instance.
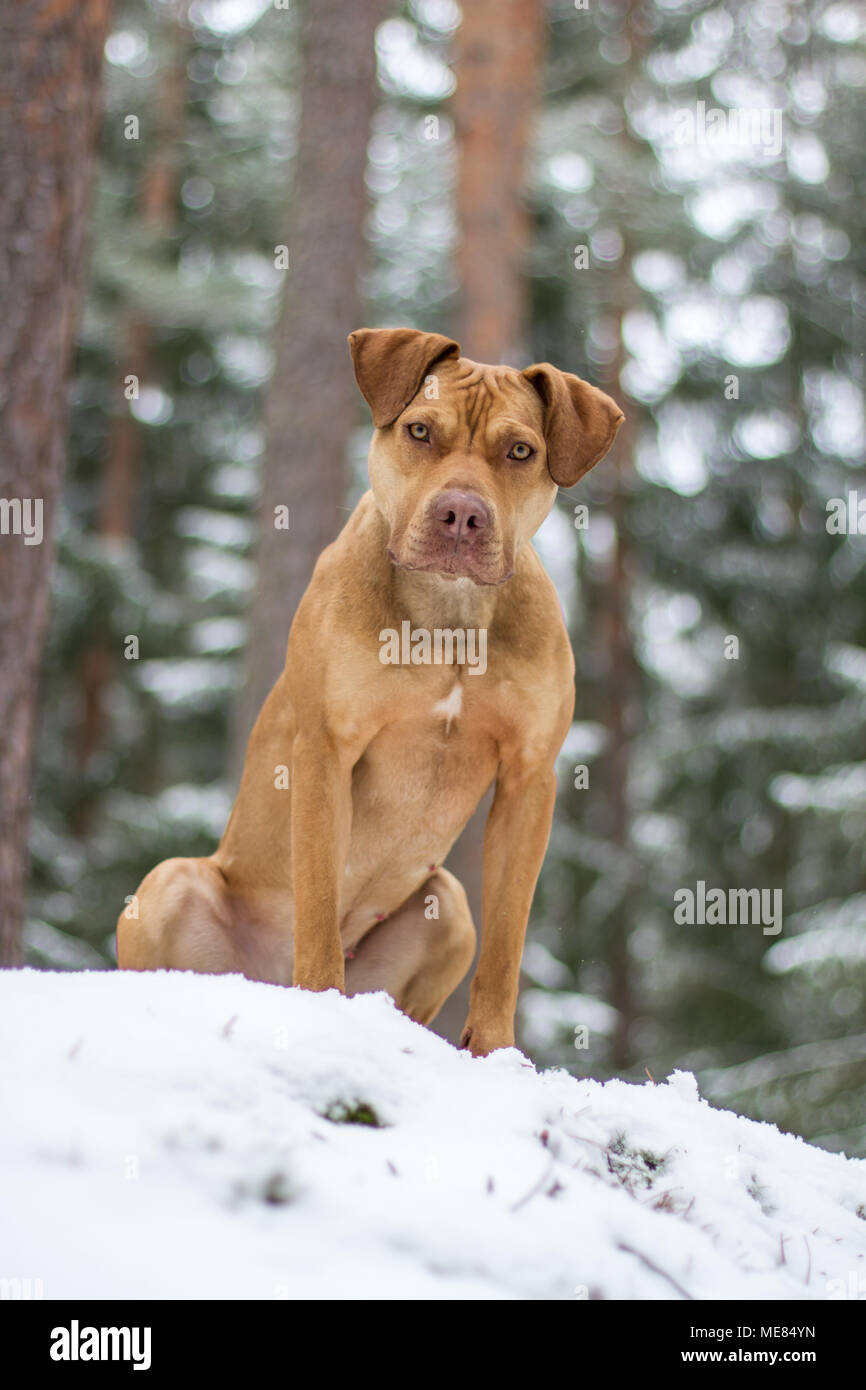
{"type": "Point", "coordinates": [478, 395]}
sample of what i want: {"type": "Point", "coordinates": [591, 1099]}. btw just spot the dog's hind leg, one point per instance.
{"type": "Point", "coordinates": [421, 952]}
{"type": "Point", "coordinates": [180, 919]}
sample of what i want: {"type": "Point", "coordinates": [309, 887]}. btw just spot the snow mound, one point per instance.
{"type": "Point", "coordinates": [178, 1136]}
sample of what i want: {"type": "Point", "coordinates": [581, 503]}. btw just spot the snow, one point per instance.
{"type": "Point", "coordinates": [847, 662]}
{"type": "Point", "coordinates": [544, 1013]}
{"type": "Point", "coordinates": [187, 684]}
{"type": "Point", "coordinates": [844, 941]}
{"type": "Point", "coordinates": [167, 1136]}
{"type": "Point", "coordinates": [841, 788]}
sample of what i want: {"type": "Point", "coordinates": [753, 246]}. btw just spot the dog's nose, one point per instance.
{"type": "Point", "coordinates": [461, 515]}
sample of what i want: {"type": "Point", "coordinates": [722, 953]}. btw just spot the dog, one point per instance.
{"type": "Point", "coordinates": [380, 738]}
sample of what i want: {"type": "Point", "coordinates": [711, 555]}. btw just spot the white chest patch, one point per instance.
{"type": "Point", "coordinates": [449, 708]}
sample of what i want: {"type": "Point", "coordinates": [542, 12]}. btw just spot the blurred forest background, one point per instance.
{"type": "Point", "coordinates": [518, 180]}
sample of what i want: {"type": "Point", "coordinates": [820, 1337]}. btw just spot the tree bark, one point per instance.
{"type": "Point", "coordinates": [50, 66]}
{"type": "Point", "coordinates": [621, 665]}
{"type": "Point", "coordinates": [620, 673]}
{"type": "Point", "coordinates": [499, 50]}
{"type": "Point", "coordinates": [312, 401]}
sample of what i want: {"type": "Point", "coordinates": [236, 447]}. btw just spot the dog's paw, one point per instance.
{"type": "Point", "coordinates": [481, 1040]}
{"type": "Point", "coordinates": [320, 980]}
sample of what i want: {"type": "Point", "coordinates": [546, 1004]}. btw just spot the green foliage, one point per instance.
{"type": "Point", "coordinates": [352, 1112]}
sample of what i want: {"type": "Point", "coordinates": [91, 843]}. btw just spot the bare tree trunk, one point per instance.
{"type": "Point", "coordinates": [620, 668]}
{"type": "Point", "coordinates": [50, 67]}
{"type": "Point", "coordinates": [312, 401]}
{"type": "Point", "coordinates": [499, 49]}
{"type": "Point", "coordinates": [621, 664]}
{"type": "Point", "coordinates": [120, 475]}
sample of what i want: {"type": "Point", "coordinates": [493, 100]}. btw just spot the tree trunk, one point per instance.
{"type": "Point", "coordinates": [499, 49]}
{"type": "Point", "coordinates": [621, 665]}
{"type": "Point", "coordinates": [312, 401]}
{"type": "Point", "coordinates": [50, 66]}
{"type": "Point", "coordinates": [620, 669]}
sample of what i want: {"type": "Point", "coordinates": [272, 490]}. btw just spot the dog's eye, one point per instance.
{"type": "Point", "coordinates": [521, 452]}
{"type": "Point", "coordinates": [419, 431]}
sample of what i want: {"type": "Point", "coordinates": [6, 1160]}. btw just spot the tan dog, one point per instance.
{"type": "Point", "coordinates": [331, 877]}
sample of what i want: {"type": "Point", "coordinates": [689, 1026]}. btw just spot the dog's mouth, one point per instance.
{"type": "Point", "coordinates": [453, 562]}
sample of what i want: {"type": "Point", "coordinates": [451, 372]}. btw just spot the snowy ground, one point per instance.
{"type": "Point", "coordinates": [168, 1136]}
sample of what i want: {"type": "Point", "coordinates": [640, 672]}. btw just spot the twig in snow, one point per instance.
{"type": "Point", "coordinates": [535, 1189]}
{"type": "Point", "coordinates": [584, 1139]}
{"type": "Point", "coordinates": [684, 1293]}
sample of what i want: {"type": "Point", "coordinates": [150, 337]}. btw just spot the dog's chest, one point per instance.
{"type": "Point", "coordinates": [453, 723]}
{"type": "Point", "coordinates": [449, 710]}
{"type": "Point", "coordinates": [432, 762]}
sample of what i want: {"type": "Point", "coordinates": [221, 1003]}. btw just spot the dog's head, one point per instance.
{"type": "Point", "coordinates": [466, 459]}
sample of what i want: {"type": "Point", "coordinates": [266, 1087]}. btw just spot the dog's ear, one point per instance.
{"type": "Point", "coordinates": [390, 365]}
{"type": "Point", "coordinates": [580, 422]}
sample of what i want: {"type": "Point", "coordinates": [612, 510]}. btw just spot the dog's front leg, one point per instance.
{"type": "Point", "coordinates": [515, 840]}
{"type": "Point", "coordinates": [321, 824]}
